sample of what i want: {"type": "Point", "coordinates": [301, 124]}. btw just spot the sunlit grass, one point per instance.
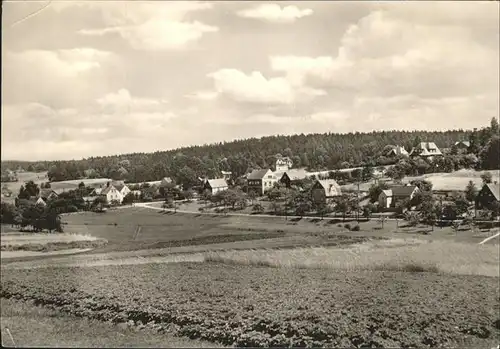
{"type": "Point", "coordinates": [399, 254]}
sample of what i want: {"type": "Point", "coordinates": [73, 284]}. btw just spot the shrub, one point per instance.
{"type": "Point", "coordinates": [347, 226]}
{"type": "Point", "coordinates": [356, 228]}
{"type": "Point", "coordinates": [339, 225]}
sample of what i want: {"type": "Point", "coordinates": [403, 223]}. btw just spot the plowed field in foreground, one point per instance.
{"type": "Point", "coordinates": [252, 306]}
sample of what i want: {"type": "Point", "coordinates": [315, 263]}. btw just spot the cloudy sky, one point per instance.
{"type": "Point", "coordinates": [97, 78]}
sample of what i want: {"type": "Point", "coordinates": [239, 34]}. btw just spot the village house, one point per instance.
{"type": "Point", "coordinates": [462, 146]}
{"type": "Point", "coordinates": [112, 194]}
{"type": "Point", "coordinates": [324, 189]}
{"type": "Point", "coordinates": [34, 200]}
{"type": "Point", "coordinates": [213, 186]}
{"type": "Point", "coordinates": [397, 151]}
{"type": "Point", "coordinates": [47, 194]}
{"type": "Point", "coordinates": [283, 164]}
{"type": "Point", "coordinates": [122, 188]}
{"type": "Point", "coordinates": [259, 181]}
{"type": "Point", "coordinates": [226, 175]}
{"type": "Point", "coordinates": [391, 197]}
{"type": "Point", "coordinates": [291, 177]}
{"type": "Point", "coordinates": [488, 196]}
{"type": "Point", "coordinates": [9, 176]}
{"type": "Point", "coordinates": [426, 150]}
{"type": "Point", "coordinates": [166, 181]}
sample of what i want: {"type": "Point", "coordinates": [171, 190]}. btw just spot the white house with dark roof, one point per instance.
{"type": "Point", "coordinates": [283, 164]}
{"type": "Point", "coordinates": [216, 185]}
{"type": "Point", "coordinates": [289, 177]}
{"type": "Point", "coordinates": [324, 189]}
{"type": "Point", "coordinates": [397, 151]}
{"type": "Point", "coordinates": [259, 181]}
{"type": "Point", "coordinates": [111, 193]}
{"type": "Point", "coordinates": [426, 150]}
{"type": "Point", "coordinates": [390, 197]}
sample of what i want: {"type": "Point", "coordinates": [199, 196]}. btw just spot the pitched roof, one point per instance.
{"type": "Point", "coordinates": [426, 149]}
{"type": "Point", "coordinates": [296, 174]}
{"type": "Point", "coordinates": [284, 160]}
{"type": "Point", "coordinates": [217, 183]}
{"type": "Point", "coordinates": [257, 174]}
{"type": "Point", "coordinates": [466, 143]}
{"type": "Point", "coordinates": [397, 150]}
{"type": "Point", "coordinates": [401, 190]}
{"type": "Point", "coordinates": [44, 193]}
{"type": "Point", "coordinates": [106, 190]}
{"type": "Point", "coordinates": [166, 180]}
{"type": "Point", "coordinates": [495, 190]}
{"type": "Point", "coordinates": [331, 187]}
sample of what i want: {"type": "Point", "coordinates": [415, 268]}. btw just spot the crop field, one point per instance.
{"type": "Point", "coordinates": [37, 326]}
{"type": "Point", "coordinates": [264, 281]}
{"type": "Point", "coordinates": [261, 306]}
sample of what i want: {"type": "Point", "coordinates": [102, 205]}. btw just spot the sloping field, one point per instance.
{"type": "Point", "coordinates": [250, 306]}
{"type": "Point", "coordinates": [457, 180]}
{"type": "Point", "coordinates": [73, 184]}
{"type": "Point", "coordinates": [395, 254]}
{"type": "Point", "coordinates": [454, 181]}
{"type": "Point", "coordinates": [35, 326]}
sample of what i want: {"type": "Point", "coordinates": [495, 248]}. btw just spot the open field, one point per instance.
{"type": "Point", "coordinates": [73, 184]}
{"type": "Point", "coordinates": [396, 254]}
{"type": "Point", "coordinates": [454, 181]}
{"type": "Point", "coordinates": [17, 244]}
{"type": "Point", "coordinates": [35, 326]}
{"type": "Point", "coordinates": [23, 177]}
{"type": "Point", "coordinates": [252, 306]}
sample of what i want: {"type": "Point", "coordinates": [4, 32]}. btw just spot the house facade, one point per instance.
{"type": "Point", "coordinates": [283, 164]}
{"type": "Point", "coordinates": [462, 146]}
{"type": "Point", "coordinates": [427, 150]}
{"type": "Point", "coordinates": [226, 175]}
{"type": "Point", "coordinates": [215, 185]}
{"type": "Point", "coordinates": [397, 151]}
{"type": "Point", "coordinates": [290, 177]}
{"type": "Point", "coordinates": [260, 181]}
{"type": "Point", "coordinates": [488, 195]}
{"type": "Point", "coordinates": [324, 189]}
{"type": "Point", "coordinates": [391, 197]}
{"type": "Point", "coordinates": [112, 194]}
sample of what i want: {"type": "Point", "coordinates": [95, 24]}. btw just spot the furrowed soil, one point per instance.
{"type": "Point", "coordinates": [258, 306]}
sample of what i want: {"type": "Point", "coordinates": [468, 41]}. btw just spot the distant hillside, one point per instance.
{"type": "Point", "coordinates": [313, 151]}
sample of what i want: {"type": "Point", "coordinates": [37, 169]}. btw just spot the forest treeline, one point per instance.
{"type": "Point", "coordinates": [316, 152]}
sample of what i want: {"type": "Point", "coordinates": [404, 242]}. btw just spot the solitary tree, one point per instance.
{"type": "Point", "coordinates": [471, 191]}
{"type": "Point", "coordinates": [486, 177]}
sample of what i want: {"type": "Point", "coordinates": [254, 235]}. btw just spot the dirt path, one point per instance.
{"type": "Point", "coordinates": [490, 238]}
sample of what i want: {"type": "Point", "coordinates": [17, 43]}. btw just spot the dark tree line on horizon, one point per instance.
{"type": "Point", "coordinates": [316, 152]}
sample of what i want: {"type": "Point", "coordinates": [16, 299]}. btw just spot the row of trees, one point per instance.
{"type": "Point", "coordinates": [314, 151]}
{"type": "Point", "coordinates": [36, 217]}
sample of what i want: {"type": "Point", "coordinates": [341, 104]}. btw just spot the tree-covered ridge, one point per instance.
{"type": "Point", "coordinates": [314, 151]}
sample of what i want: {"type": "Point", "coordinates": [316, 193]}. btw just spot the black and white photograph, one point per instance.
{"type": "Point", "coordinates": [226, 174]}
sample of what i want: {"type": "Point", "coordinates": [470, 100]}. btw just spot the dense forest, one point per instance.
{"type": "Point", "coordinates": [315, 152]}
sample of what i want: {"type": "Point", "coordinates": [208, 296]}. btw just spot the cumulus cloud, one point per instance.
{"type": "Point", "coordinates": [275, 13]}
{"type": "Point", "coordinates": [122, 100]}
{"type": "Point", "coordinates": [59, 77]}
{"type": "Point", "coordinates": [154, 26]}
{"type": "Point", "coordinates": [383, 54]}
{"type": "Point", "coordinates": [256, 88]}
{"type": "Point", "coordinates": [67, 63]}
